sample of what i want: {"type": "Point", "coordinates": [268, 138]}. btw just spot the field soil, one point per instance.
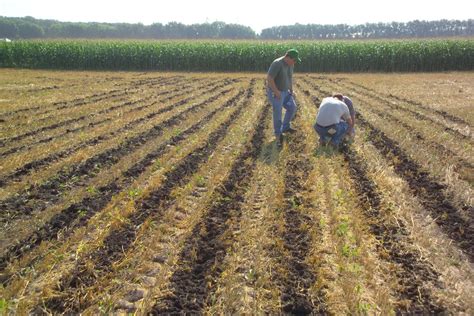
{"type": "Point", "coordinates": [163, 193]}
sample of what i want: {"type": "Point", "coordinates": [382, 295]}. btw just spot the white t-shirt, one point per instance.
{"type": "Point", "coordinates": [331, 111]}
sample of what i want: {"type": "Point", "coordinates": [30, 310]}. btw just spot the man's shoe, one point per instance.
{"type": "Point", "coordinates": [289, 131]}
{"type": "Point", "coordinates": [279, 140]}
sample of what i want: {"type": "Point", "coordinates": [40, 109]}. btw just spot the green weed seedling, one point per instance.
{"type": "Point", "coordinates": [105, 307]}
{"type": "Point", "coordinates": [92, 190]}
{"type": "Point", "coordinates": [3, 306]}
{"type": "Point", "coordinates": [157, 165]}
{"type": "Point", "coordinates": [342, 229]}
{"type": "Point", "coordinates": [200, 181]}
{"type": "Point", "coordinates": [348, 251]}
{"type": "Point", "coordinates": [322, 223]}
{"type": "Point", "coordinates": [251, 276]}
{"type": "Point", "coordinates": [134, 193]}
{"type": "Point", "coordinates": [364, 308]}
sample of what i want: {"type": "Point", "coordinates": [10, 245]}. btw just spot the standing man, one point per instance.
{"type": "Point", "coordinates": [280, 92]}
{"type": "Point", "coordinates": [333, 121]}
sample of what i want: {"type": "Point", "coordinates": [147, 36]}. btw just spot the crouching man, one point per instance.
{"type": "Point", "coordinates": [333, 121]}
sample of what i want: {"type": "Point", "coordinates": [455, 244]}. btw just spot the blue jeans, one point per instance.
{"type": "Point", "coordinates": [341, 129]}
{"type": "Point", "coordinates": [286, 101]}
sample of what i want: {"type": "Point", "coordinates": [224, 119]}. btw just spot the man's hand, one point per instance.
{"type": "Point", "coordinates": [271, 84]}
{"type": "Point", "coordinates": [350, 122]}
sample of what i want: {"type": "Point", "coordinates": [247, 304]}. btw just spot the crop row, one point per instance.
{"type": "Point", "coordinates": [200, 212]}
{"type": "Point", "coordinates": [423, 185]}
{"type": "Point", "coordinates": [22, 204]}
{"type": "Point", "coordinates": [78, 214]}
{"type": "Point", "coordinates": [419, 130]}
{"type": "Point", "coordinates": [415, 276]}
{"type": "Point", "coordinates": [100, 135]}
{"type": "Point", "coordinates": [410, 55]}
{"type": "Point", "coordinates": [120, 239]}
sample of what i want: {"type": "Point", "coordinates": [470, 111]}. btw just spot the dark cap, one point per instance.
{"type": "Point", "coordinates": [293, 54]}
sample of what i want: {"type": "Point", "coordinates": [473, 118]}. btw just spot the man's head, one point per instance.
{"type": "Point", "coordinates": [338, 96]}
{"type": "Point", "coordinates": [342, 98]}
{"type": "Point", "coordinates": [292, 56]}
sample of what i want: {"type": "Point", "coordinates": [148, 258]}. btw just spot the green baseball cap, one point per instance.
{"type": "Point", "coordinates": [293, 53]}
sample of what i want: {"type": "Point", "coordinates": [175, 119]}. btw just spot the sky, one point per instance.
{"type": "Point", "coordinates": [254, 13]}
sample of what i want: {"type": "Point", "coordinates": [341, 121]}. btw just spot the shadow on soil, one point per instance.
{"type": "Point", "coordinates": [270, 153]}
{"type": "Point", "coordinates": [325, 151]}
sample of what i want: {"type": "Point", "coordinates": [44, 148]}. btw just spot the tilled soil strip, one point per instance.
{"type": "Point", "coordinates": [39, 163]}
{"type": "Point", "coordinates": [444, 114]}
{"type": "Point", "coordinates": [119, 240]}
{"type": "Point", "coordinates": [78, 214]}
{"type": "Point", "coordinates": [297, 241]}
{"type": "Point", "coordinates": [58, 124]}
{"type": "Point", "coordinates": [417, 115]}
{"type": "Point", "coordinates": [45, 88]}
{"type": "Point", "coordinates": [462, 163]}
{"type": "Point", "coordinates": [91, 98]}
{"type": "Point", "coordinates": [429, 192]}
{"type": "Point", "coordinates": [119, 96]}
{"type": "Point", "coordinates": [193, 282]}
{"type": "Point", "coordinates": [170, 81]}
{"type": "Point", "coordinates": [124, 104]}
{"type": "Point", "coordinates": [37, 198]}
{"type": "Point", "coordinates": [414, 274]}
{"type": "Point", "coordinates": [101, 121]}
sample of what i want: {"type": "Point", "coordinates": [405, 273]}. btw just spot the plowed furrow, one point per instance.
{"type": "Point", "coordinates": [71, 121]}
{"type": "Point", "coordinates": [444, 114]}
{"type": "Point", "coordinates": [40, 163]}
{"type": "Point", "coordinates": [181, 92]}
{"type": "Point", "coordinates": [37, 198]}
{"type": "Point", "coordinates": [94, 97]}
{"type": "Point", "coordinates": [419, 116]}
{"type": "Point", "coordinates": [297, 241]}
{"type": "Point", "coordinates": [462, 166]}
{"type": "Point", "coordinates": [429, 192]}
{"type": "Point", "coordinates": [129, 90]}
{"type": "Point", "coordinates": [121, 239]}
{"type": "Point", "coordinates": [118, 97]}
{"type": "Point", "coordinates": [192, 283]}
{"type": "Point", "coordinates": [415, 275]}
{"type": "Point", "coordinates": [78, 214]}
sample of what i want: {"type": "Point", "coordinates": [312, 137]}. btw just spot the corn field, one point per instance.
{"type": "Point", "coordinates": [332, 56]}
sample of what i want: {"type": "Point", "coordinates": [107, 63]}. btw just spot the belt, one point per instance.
{"type": "Point", "coordinates": [333, 125]}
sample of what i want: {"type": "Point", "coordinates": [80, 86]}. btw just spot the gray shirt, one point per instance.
{"type": "Point", "coordinates": [282, 73]}
{"type": "Point", "coordinates": [331, 111]}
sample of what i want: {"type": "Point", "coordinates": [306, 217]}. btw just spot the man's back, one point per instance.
{"type": "Point", "coordinates": [330, 112]}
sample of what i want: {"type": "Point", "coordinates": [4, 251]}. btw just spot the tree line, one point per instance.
{"type": "Point", "coordinates": [412, 29]}
{"type": "Point", "coordinates": [29, 27]}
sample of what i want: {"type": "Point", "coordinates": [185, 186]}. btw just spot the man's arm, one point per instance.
{"type": "Point", "coordinates": [271, 84]}
{"type": "Point", "coordinates": [347, 115]}
{"type": "Point", "coordinates": [350, 122]}
{"type": "Point", "coordinates": [290, 75]}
